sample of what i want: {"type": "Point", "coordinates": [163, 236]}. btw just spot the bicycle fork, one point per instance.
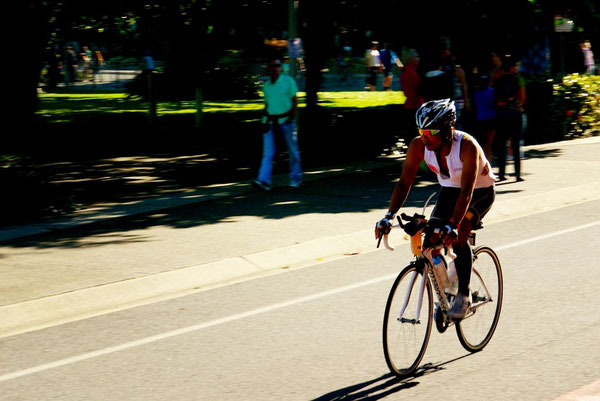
{"type": "Point", "coordinates": [411, 284]}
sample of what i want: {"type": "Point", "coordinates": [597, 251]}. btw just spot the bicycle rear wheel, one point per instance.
{"type": "Point", "coordinates": [477, 328]}
{"type": "Point", "coordinates": [405, 337]}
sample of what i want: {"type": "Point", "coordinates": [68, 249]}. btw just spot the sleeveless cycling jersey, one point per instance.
{"type": "Point", "coordinates": [455, 165]}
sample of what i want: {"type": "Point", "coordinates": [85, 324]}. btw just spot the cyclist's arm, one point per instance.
{"type": "Point", "coordinates": [414, 156]}
{"type": "Point", "coordinates": [470, 159]}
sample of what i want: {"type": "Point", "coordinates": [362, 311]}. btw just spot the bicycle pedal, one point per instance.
{"type": "Point", "coordinates": [441, 324]}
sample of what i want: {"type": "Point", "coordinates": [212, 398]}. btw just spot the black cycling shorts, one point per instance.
{"type": "Point", "coordinates": [480, 204]}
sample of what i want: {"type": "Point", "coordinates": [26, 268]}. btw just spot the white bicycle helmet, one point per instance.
{"type": "Point", "coordinates": [436, 114]}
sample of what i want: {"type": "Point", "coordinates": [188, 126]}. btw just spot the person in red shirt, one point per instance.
{"type": "Point", "coordinates": [410, 81]}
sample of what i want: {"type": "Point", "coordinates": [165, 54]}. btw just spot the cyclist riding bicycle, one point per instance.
{"type": "Point", "coordinates": [467, 180]}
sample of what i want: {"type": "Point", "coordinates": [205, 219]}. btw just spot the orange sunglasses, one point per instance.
{"type": "Point", "coordinates": [426, 133]}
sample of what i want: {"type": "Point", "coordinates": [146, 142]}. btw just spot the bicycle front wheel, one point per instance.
{"type": "Point", "coordinates": [477, 328]}
{"type": "Point", "coordinates": [407, 321]}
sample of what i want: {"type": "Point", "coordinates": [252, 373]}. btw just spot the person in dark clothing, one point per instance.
{"type": "Point", "coordinates": [445, 79]}
{"type": "Point", "coordinates": [509, 91]}
{"type": "Point", "coordinates": [389, 59]}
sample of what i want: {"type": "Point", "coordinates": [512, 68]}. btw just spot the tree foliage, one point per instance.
{"type": "Point", "coordinates": [192, 35]}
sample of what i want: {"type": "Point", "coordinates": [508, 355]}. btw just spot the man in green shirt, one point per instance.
{"type": "Point", "coordinates": [280, 109]}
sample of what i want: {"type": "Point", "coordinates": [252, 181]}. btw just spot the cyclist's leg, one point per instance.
{"type": "Point", "coordinates": [481, 203]}
{"type": "Point", "coordinates": [444, 208]}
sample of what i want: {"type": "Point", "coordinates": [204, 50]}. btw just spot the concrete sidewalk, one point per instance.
{"type": "Point", "coordinates": [165, 247]}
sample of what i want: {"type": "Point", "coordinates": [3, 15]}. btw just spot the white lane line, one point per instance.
{"type": "Point", "coordinates": [545, 236]}
{"type": "Point", "coordinates": [189, 329]}
{"type": "Point", "coordinates": [237, 316]}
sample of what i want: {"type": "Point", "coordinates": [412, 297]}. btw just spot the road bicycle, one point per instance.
{"type": "Point", "coordinates": [410, 310]}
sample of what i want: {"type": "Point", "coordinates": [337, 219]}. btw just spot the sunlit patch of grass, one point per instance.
{"type": "Point", "coordinates": [360, 99]}
{"type": "Point", "coordinates": [80, 96]}
{"type": "Point", "coordinates": [58, 105]}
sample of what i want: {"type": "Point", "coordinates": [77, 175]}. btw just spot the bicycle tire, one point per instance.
{"type": "Point", "coordinates": [405, 343]}
{"type": "Point", "coordinates": [477, 328]}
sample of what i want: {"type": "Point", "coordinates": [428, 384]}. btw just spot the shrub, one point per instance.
{"type": "Point", "coordinates": [578, 97]}
{"type": "Point", "coordinates": [231, 79]}
{"type": "Point", "coordinates": [563, 107]}
{"type": "Point", "coordinates": [114, 62]}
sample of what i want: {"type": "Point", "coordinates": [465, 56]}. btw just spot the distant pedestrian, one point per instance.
{"type": "Point", "coordinates": [148, 64]}
{"type": "Point", "coordinates": [445, 79]}
{"type": "Point", "coordinates": [53, 75]}
{"type": "Point", "coordinates": [485, 114]}
{"type": "Point", "coordinates": [389, 60]}
{"type": "Point", "coordinates": [97, 63]}
{"type": "Point", "coordinates": [461, 95]}
{"type": "Point", "coordinates": [86, 63]}
{"type": "Point", "coordinates": [509, 90]}
{"type": "Point", "coordinates": [410, 82]}
{"type": "Point", "coordinates": [345, 60]}
{"type": "Point", "coordinates": [588, 57]}
{"type": "Point", "coordinates": [70, 66]}
{"type": "Point", "coordinates": [495, 66]}
{"type": "Point", "coordinates": [280, 110]}
{"type": "Point", "coordinates": [373, 62]}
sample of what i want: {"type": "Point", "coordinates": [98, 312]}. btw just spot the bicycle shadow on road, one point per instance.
{"type": "Point", "coordinates": [385, 385]}
{"type": "Point", "coordinates": [370, 390]}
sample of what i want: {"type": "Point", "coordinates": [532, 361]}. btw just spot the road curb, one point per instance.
{"type": "Point", "coordinates": [63, 308]}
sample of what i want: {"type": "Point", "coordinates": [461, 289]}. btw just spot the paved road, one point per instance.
{"type": "Point", "coordinates": [314, 333]}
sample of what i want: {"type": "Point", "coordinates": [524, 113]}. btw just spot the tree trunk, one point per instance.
{"type": "Point", "coordinates": [316, 36]}
{"type": "Point", "coordinates": [29, 66]}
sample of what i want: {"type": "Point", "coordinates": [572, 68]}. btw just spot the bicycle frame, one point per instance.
{"type": "Point", "coordinates": [407, 298]}
{"type": "Point", "coordinates": [425, 259]}
{"type": "Point", "coordinates": [485, 300]}
{"type": "Point", "coordinates": [441, 295]}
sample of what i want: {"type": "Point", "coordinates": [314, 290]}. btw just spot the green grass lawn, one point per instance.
{"type": "Point", "coordinates": [64, 107]}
